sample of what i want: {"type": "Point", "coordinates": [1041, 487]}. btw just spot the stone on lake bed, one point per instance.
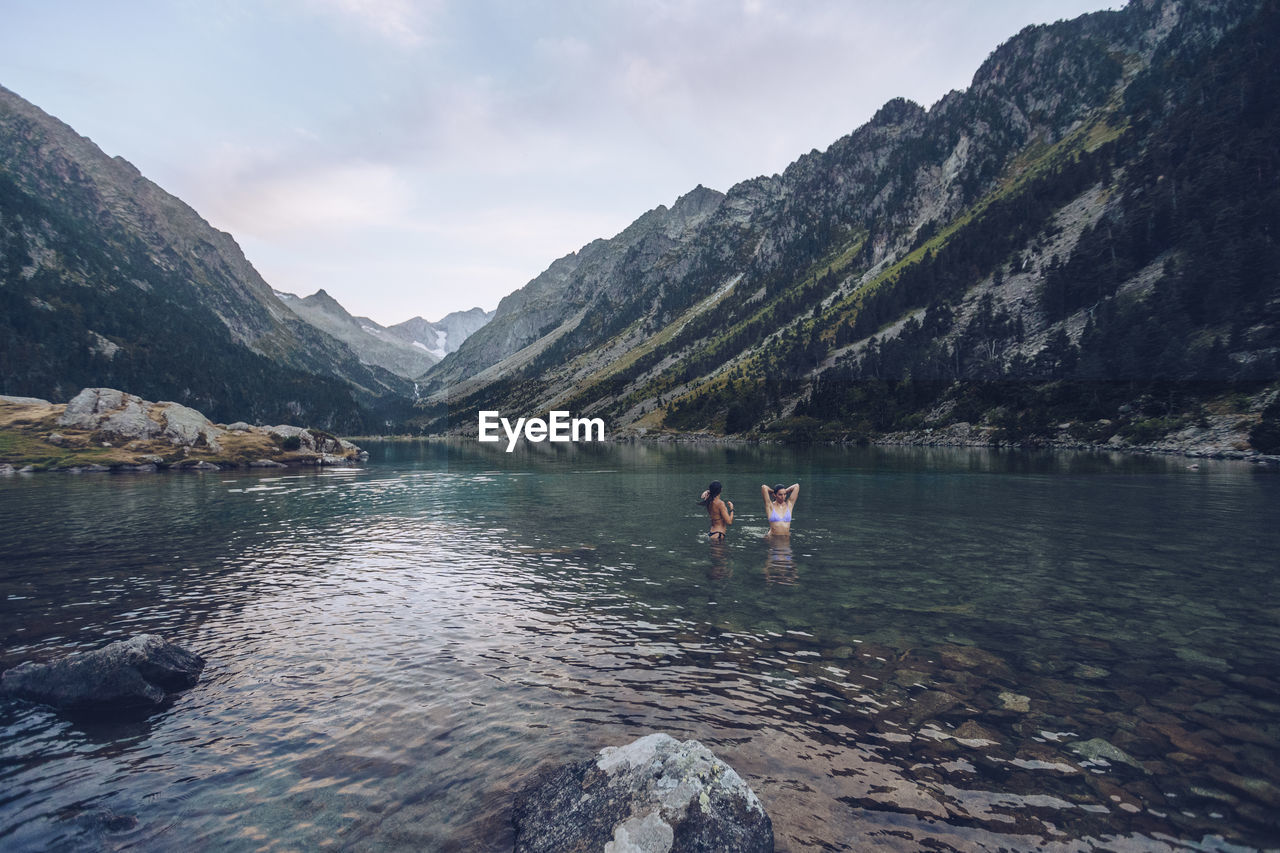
{"type": "Point", "coordinates": [911, 678]}
{"type": "Point", "coordinates": [1258, 789]}
{"type": "Point", "coordinates": [1015, 702]}
{"type": "Point", "coordinates": [972, 733]}
{"type": "Point", "coordinates": [973, 658]}
{"type": "Point", "coordinates": [654, 794]}
{"type": "Point", "coordinates": [930, 704]}
{"type": "Point", "coordinates": [134, 673]}
{"type": "Point", "coordinates": [1193, 744]}
{"type": "Point", "coordinates": [1198, 658]}
{"type": "Point", "coordinates": [1097, 748]}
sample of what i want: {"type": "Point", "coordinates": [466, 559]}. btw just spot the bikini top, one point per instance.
{"type": "Point", "coordinates": [774, 515]}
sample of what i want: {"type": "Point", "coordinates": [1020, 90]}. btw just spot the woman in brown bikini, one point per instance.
{"type": "Point", "coordinates": [721, 511]}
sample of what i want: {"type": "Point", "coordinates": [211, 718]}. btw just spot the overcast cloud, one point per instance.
{"type": "Point", "coordinates": [415, 157]}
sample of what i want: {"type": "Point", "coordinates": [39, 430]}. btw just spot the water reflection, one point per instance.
{"type": "Point", "coordinates": [779, 567]}
{"type": "Point", "coordinates": [1000, 651]}
{"type": "Point", "coordinates": [720, 566]}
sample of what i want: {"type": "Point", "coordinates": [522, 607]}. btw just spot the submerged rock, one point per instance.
{"type": "Point", "coordinates": [134, 673]}
{"type": "Point", "coordinates": [1015, 702]}
{"type": "Point", "coordinates": [1097, 748]}
{"type": "Point", "coordinates": [930, 704]}
{"type": "Point", "coordinates": [1257, 788]}
{"type": "Point", "coordinates": [655, 794]}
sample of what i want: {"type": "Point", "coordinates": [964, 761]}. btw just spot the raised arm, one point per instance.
{"type": "Point", "coordinates": [793, 492]}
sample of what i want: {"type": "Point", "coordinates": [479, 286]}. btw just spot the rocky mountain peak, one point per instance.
{"type": "Point", "coordinates": [692, 209]}
{"type": "Point", "coordinates": [322, 300]}
{"type": "Point", "coordinates": [895, 112]}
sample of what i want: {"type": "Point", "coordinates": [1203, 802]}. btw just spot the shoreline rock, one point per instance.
{"type": "Point", "coordinates": [654, 794]}
{"type": "Point", "coordinates": [104, 429]}
{"type": "Point", "coordinates": [139, 672]}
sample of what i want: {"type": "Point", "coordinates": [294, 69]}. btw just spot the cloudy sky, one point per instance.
{"type": "Point", "coordinates": [415, 157]}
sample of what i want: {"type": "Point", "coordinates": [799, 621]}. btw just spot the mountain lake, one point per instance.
{"type": "Point", "coordinates": [957, 650]}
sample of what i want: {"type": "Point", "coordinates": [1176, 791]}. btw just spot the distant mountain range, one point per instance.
{"type": "Point", "coordinates": [407, 349]}
{"type": "Point", "coordinates": [1082, 244]}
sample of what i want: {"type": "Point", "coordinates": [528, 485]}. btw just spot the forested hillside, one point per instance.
{"type": "Point", "coordinates": [1082, 244]}
{"type": "Point", "coordinates": [1195, 189]}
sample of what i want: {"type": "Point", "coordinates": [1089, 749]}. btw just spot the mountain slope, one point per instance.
{"type": "Point", "coordinates": [107, 280]}
{"type": "Point", "coordinates": [936, 230]}
{"type": "Point", "coordinates": [371, 343]}
{"type": "Point", "coordinates": [603, 274]}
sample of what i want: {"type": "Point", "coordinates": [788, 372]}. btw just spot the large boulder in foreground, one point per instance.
{"type": "Point", "coordinates": [656, 794]}
{"type": "Point", "coordinates": [135, 673]}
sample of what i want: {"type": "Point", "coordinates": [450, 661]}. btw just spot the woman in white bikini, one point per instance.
{"type": "Point", "coordinates": [778, 504]}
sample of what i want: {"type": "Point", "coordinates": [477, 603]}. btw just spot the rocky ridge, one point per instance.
{"type": "Point", "coordinates": [601, 274]}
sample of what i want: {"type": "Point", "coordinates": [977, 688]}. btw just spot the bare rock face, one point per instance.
{"type": "Point", "coordinates": [130, 417]}
{"type": "Point", "coordinates": [654, 795]}
{"type": "Point", "coordinates": [135, 673]}
{"type": "Point", "coordinates": [109, 410]}
{"type": "Point", "coordinates": [25, 401]}
{"type": "Point", "coordinates": [186, 427]}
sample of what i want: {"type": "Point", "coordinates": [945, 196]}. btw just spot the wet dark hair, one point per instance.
{"type": "Point", "coordinates": [780, 488]}
{"type": "Point", "coordinates": [713, 491]}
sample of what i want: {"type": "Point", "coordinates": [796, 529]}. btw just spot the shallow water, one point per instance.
{"type": "Point", "coordinates": [934, 660]}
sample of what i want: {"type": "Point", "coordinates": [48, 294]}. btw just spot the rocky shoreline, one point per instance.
{"type": "Point", "coordinates": [1216, 441]}
{"type": "Point", "coordinates": [106, 430]}
{"type": "Point", "coordinates": [965, 435]}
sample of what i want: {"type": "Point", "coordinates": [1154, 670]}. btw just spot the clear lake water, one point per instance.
{"type": "Point", "coordinates": [956, 650]}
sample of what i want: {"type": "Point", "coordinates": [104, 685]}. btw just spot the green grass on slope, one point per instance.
{"type": "Point", "coordinates": [1036, 162]}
